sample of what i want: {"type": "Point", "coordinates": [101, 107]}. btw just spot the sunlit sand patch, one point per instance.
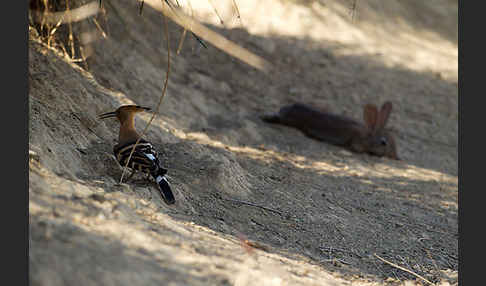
{"type": "Point", "coordinates": [426, 51]}
{"type": "Point", "coordinates": [380, 170]}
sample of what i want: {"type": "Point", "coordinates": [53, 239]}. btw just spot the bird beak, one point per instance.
{"type": "Point", "coordinates": [107, 115]}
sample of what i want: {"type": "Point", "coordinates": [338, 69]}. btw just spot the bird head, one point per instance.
{"type": "Point", "coordinates": [124, 112]}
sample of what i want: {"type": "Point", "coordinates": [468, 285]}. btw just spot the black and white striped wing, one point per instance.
{"type": "Point", "coordinates": [144, 157]}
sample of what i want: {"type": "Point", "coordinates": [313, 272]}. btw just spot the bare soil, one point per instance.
{"type": "Point", "coordinates": [312, 213]}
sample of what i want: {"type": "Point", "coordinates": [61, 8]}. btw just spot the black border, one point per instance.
{"type": "Point", "coordinates": [15, 143]}
{"type": "Point", "coordinates": [462, 154]}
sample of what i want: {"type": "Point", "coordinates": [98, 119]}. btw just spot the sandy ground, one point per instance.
{"type": "Point", "coordinates": [316, 214]}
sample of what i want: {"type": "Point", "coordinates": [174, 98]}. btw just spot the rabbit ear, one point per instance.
{"type": "Point", "coordinates": [370, 115]}
{"type": "Point", "coordinates": [386, 108]}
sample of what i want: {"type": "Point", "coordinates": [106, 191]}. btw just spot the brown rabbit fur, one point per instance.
{"type": "Point", "coordinates": [371, 137]}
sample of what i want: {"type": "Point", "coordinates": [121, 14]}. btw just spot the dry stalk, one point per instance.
{"type": "Point", "coordinates": [70, 26]}
{"type": "Point", "coordinates": [164, 89]}
{"type": "Point", "coordinates": [53, 31]}
{"type": "Point", "coordinates": [181, 41]}
{"type": "Point", "coordinates": [103, 34]}
{"type": "Point", "coordinates": [404, 269]}
{"type": "Point", "coordinates": [216, 12]}
{"type": "Point", "coordinates": [212, 37]}
{"type": "Point", "coordinates": [238, 15]}
{"type": "Point", "coordinates": [353, 9]}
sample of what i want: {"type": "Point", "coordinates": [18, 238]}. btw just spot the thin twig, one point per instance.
{"type": "Point", "coordinates": [353, 9]}
{"type": "Point", "coordinates": [181, 41]}
{"type": "Point", "coordinates": [403, 269]}
{"type": "Point", "coordinates": [166, 31]}
{"type": "Point", "coordinates": [44, 24]}
{"type": "Point", "coordinates": [201, 42]}
{"type": "Point", "coordinates": [141, 7]}
{"type": "Point", "coordinates": [103, 34]}
{"type": "Point", "coordinates": [51, 34]}
{"type": "Point", "coordinates": [216, 12]}
{"type": "Point", "coordinates": [84, 57]}
{"type": "Point", "coordinates": [237, 10]}
{"type": "Point", "coordinates": [253, 205]}
{"type": "Point", "coordinates": [70, 38]}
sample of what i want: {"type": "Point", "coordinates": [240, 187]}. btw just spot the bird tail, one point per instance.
{"type": "Point", "coordinates": [164, 187]}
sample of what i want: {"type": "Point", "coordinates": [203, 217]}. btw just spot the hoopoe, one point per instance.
{"type": "Point", "coordinates": [144, 157]}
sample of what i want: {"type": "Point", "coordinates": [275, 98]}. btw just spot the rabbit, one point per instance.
{"type": "Point", "coordinates": [371, 138]}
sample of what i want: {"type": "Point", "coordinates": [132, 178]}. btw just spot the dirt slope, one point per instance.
{"type": "Point", "coordinates": [327, 211]}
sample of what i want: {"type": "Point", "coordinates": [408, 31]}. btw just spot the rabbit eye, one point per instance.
{"type": "Point", "coordinates": [383, 141]}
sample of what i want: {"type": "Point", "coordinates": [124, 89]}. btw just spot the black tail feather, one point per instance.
{"type": "Point", "coordinates": [165, 190]}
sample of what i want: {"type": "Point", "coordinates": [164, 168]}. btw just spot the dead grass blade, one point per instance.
{"type": "Point", "coordinates": [212, 37]}
{"type": "Point", "coordinates": [103, 34]}
{"type": "Point", "coordinates": [140, 8]}
{"type": "Point", "coordinates": [238, 15]}
{"type": "Point", "coordinates": [53, 31]}
{"type": "Point", "coordinates": [403, 269]}
{"type": "Point", "coordinates": [216, 12]}
{"type": "Point", "coordinates": [183, 36]}
{"type": "Point", "coordinates": [353, 9]}
{"type": "Point", "coordinates": [70, 38]}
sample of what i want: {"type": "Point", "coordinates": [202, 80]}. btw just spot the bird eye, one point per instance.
{"type": "Point", "coordinates": [383, 141]}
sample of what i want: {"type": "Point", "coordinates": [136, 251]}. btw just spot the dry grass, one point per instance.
{"type": "Point", "coordinates": [50, 19]}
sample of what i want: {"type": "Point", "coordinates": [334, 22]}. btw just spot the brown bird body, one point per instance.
{"type": "Point", "coordinates": [127, 132]}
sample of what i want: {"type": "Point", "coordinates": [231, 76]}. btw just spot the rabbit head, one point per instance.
{"type": "Point", "coordinates": [379, 141]}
